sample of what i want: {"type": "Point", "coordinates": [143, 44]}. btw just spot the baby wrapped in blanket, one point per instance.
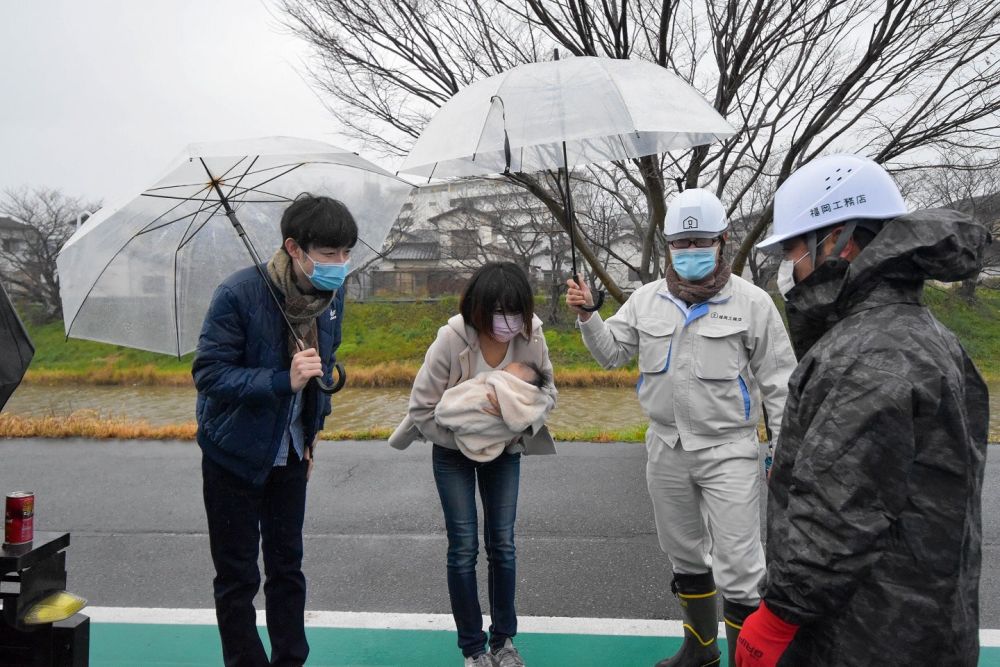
{"type": "Point", "coordinates": [519, 391]}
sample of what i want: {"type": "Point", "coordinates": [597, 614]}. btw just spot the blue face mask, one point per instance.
{"type": "Point", "coordinates": [327, 277]}
{"type": "Point", "coordinates": [693, 263]}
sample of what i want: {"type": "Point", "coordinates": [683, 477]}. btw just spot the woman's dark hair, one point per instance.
{"type": "Point", "coordinates": [497, 286]}
{"type": "Point", "coordinates": [319, 221]}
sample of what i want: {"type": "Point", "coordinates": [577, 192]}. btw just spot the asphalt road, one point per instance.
{"type": "Point", "coordinates": [374, 531]}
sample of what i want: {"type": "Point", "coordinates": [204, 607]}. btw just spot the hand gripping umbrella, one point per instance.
{"type": "Point", "coordinates": [561, 114]}
{"type": "Point", "coordinates": [142, 274]}
{"type": "Point", "coordinates": [16, 349]}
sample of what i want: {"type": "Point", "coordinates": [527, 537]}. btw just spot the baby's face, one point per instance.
{"type": "Point", "coordinates": [520, 371]}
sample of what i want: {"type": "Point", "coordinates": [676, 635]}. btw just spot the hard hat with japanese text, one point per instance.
{"type": "Point", "coordinates": [695, 213]}
{"type": "Point", "coordinates": [832, 189]}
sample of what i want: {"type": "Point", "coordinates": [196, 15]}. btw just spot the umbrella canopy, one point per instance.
{"type": "Point", "coordinates": [142, 274]}
{"type": "Point", "coordinates": [16, 349]}
{"type": "Point", "coordinates": [601, 108]}
{"type": "Point", "coordinates": [561, 114]}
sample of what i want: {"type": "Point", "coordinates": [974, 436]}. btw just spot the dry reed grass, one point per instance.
{"type": "Point", "coordinates": [388, 375]}
{"type": "Point", "coordinates": [587, 377]}
{"type": "Point", "coordinates": [90, 424]}
{"type": "Point", "coordinates": [392, 374]}
{"type": "Point", "coordinates": [373, 433]}
{"type": "Point", "coordinates": [148, 375]}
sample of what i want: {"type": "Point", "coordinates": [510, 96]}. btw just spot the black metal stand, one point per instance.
{"type": "Point", "coordinates": [29, 572]}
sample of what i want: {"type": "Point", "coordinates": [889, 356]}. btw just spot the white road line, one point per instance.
{"type": "Point", "coordinates": [637, 627]}
{"type": "Point", "coordinates": [373, 620]}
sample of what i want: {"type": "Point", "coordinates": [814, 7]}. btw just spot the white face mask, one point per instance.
{"type": "Point", "coordinates": [786, 275]}
{"type": "Point", "coordinates": [786, 270]}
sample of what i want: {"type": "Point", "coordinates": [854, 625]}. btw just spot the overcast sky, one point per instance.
{"type": "Point", "coordinates": [97, 97]}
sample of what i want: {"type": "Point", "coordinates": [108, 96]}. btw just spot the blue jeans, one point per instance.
{"type": "Point", "coordinates": [241, 519]}
{"type": "Point", "coordinates": [456, 478]}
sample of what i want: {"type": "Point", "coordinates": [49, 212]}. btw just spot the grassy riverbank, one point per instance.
{"type": "Point", "coordinates": [384, 344]}
{"type": "Point", "coordinates": [976, 324]}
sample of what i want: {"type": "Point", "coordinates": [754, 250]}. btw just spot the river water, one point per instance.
{"type": "Point", "coordinates": [353, 408]}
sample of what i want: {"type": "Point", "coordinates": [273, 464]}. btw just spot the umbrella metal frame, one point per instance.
{"type": "Point", "coordinates": [257, 261]}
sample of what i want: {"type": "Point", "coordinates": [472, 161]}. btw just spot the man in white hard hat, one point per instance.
{"type": "Point", "coordinates": [712, 349]}
{"type": "Point", "coordinates": [874, 520]}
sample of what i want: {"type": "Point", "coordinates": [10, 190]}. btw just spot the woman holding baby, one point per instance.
{"type": "Point", "coordinates": [479, 431]}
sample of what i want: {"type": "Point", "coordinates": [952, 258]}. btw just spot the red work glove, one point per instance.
{"type": "Point", "coordinates": [763, 639]}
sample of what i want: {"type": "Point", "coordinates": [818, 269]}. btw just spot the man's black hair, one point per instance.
{"type": "Point", "coordinates": [497, 286]}
{"type": "Point", "coordinates": [313, 221]}
{"type": "Point", "coordinates": [864, 233]}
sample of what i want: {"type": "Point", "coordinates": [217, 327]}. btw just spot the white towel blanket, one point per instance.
{"type": "Point", "coordinates": [482, 436]}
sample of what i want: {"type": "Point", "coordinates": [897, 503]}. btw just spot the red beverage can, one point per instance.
{"type": "Point", "coordinates": [19, 518]}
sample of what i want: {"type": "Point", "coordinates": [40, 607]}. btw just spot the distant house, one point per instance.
{"type": "Point", "coordinates": [447, 230]}
{"type": "Point", "coordinates": [442, 234]}
{"type": "Point", "coordinates": [14, 237]}
{"type": "Point", "coordinates": [414, 268]}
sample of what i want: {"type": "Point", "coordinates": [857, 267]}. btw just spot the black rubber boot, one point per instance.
{"type": "Point", "coordinates": [696, 593]}
{"type": "Point", "coordinates": [734, 613]}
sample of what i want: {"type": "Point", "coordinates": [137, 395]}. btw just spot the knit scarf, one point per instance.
{"type": "Point", "coordinates": [702, 290]}
{"type": "Point", "coordinates": [301, 308]}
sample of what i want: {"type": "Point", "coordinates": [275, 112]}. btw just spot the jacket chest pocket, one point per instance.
{"type": "Point", "coordinates": [655, 338]}
{"type": "Point", "coordinates": [719, 353]}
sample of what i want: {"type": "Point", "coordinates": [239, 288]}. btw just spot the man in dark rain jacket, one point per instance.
{"type": "Point", "coordinates": [874, 520]}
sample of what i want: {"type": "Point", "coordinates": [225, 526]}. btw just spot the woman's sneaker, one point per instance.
{"type": "Point", "coordinates": [507, 655]}
{"type": "Point", "coordinates": [481, 660]}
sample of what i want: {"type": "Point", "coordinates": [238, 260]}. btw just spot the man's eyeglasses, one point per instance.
{"type": "Point", "coordinates": [683, 244]}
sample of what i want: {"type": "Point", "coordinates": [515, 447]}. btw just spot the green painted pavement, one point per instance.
{"type": "Point", "coordinates": [133, 645]}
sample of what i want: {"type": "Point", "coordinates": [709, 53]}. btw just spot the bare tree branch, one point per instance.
{"type": "Point", "coordinates": [28, 257]}
{"type": "Point", "coordinates": [907, 82]}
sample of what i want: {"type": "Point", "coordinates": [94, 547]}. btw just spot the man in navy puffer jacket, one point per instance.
{"type": "Point", "coordinates": [258, 419]}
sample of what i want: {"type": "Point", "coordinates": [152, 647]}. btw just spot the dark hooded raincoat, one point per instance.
{"type": "Point", "coordinates": [874, 521]}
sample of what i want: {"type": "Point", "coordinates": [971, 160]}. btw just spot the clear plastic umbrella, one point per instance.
{"type": "Point", "coordinates": [562, 114]}
{"type": "Point", "coordinates": [142, 274]}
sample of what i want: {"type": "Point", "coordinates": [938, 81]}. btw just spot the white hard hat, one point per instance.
{"type": "Point", "coordinates": [831, 189]}
{"type": "Point", "coordinates": [695, 213]}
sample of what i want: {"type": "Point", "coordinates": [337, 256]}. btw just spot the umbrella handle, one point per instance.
{"type": "Point", "coordinates": [596, 306]}
{"type": "Point", "coordinates": [336, 386]}
{"type": "Point", "coordinates": [600, 296]}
